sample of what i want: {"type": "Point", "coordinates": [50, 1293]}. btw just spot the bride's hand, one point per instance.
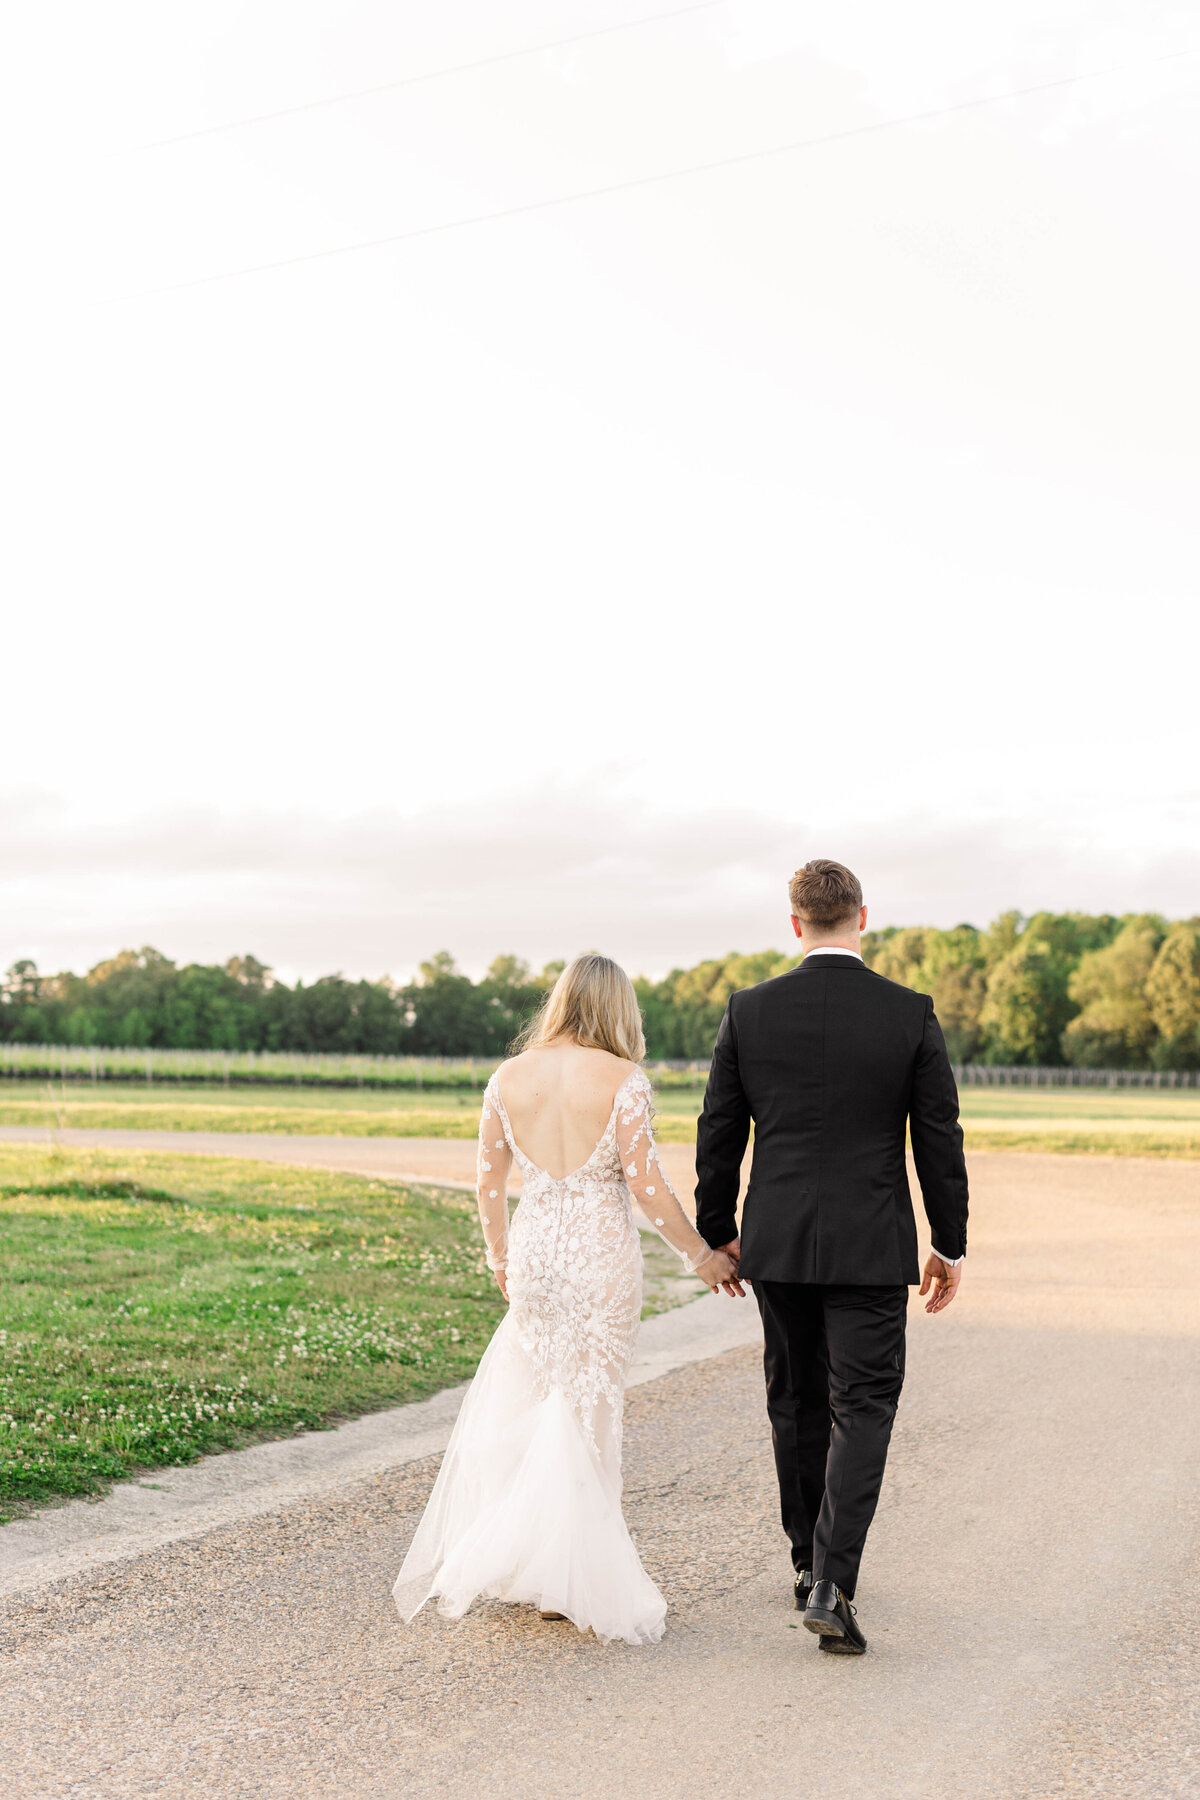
{"type": "Point", "coordinates": [501, 1280]}
{"type": "Point", "coordinates": [720, 1271]}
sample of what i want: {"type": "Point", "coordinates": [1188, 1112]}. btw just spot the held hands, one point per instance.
{"type": "Point", "coordinates": [720, 1270]}
{"type": "Point", "coordinates": [943, 1280]}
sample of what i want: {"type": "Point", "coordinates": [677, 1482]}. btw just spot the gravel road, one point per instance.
{"type": "Point", "coordinates": [1028, 1589]}
{"type": "Point", "coordinates": [448, 1162]}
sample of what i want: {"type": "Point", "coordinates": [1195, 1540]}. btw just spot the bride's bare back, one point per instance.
{"type": "Point", "coordinates": [559, 1099]}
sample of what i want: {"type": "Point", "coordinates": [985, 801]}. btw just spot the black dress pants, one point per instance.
{"type": "Point", "coordinates": [834, 1363]}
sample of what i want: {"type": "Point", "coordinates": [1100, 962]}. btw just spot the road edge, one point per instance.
{"type": "Point", "coordinates": [165, 1506]}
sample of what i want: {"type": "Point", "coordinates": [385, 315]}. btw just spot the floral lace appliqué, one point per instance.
{"type": "Point", "coordinates": [573, 1258]}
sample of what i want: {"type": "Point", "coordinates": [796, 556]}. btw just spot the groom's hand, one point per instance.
{"type": "Point", "coordinates": [733, 1251]}
{"type": "Point", "coordinates": [944, 1282]}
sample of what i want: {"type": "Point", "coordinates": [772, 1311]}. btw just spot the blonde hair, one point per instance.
{"type": "Point", "coordinates": [593, 1002]}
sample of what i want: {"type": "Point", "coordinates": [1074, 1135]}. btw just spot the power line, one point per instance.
{"type": "Point", "coordinates": [388, 87]}
{"type": "Point", "coordinates": [643, 181]}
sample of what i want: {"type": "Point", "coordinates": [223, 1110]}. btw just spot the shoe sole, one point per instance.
{"type": "Point", "coordinates": [552, 1616]}
{"type": "Point", "coordinates": [832, 1633]}
{"type": "Point", "coordinates": [824, 1624]}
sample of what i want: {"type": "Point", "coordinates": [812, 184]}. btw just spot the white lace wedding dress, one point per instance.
{"type": "Point", "coordinates": [527, 1506]}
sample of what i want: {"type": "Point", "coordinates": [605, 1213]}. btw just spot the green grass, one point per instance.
{"type": "Point", "coordinates": [1118, 1122]}
{"type": "Point", "coordinates": [154, 1308]}
{"type": "Point", "coordinates": [1088, 1142]}
{"type": "Point", "coordinates": [1083, 1121]}
{"type": "Point", "coordinates": [81, 1064]}
{"type": "Point", "coordinates": [84, 1063]}
{"type": "Point", "coordinates": [1096, 1105]}
{"type": "Point", "coordinates": [336, 1112]}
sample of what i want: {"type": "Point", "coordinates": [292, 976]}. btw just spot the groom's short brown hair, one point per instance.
{"type": "Point", "coordinates": [825, 893]}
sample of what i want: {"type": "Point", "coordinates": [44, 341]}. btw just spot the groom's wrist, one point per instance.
{"type": "Point", "coordinates": [723, 1232]}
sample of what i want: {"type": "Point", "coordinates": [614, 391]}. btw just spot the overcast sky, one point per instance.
{"type": "Point", "coordinates": [566, 579]}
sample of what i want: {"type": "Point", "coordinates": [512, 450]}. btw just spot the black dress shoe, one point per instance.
{"type": "Point", "coordinates": [803, 1589]}
{"type": "Point", "coordinates": [830, 1615]}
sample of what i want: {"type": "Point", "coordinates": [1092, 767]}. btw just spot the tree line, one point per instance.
{"type": "Point", "coordinates": [141, 998]}
{"type": "Point", "coordinates": [1090, 991]}
{"type": "Point", "coordinates": [1075, 989]}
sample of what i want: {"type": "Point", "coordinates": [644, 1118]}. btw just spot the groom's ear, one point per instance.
{"type": "Point", "coordinates": [862, 919]}
{"type": "Point", "coordinates": [796, 922]}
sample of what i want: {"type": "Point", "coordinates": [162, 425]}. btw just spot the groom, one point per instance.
{"type": "Point", "coordinates": [831, 1061]}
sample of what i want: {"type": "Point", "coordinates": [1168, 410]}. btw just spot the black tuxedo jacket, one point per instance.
{"type": "Point", "coordinates": [830, 1061]}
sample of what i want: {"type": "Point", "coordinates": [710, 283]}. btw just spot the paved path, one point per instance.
{"type": "Point", "coordinates": [1028, 1590]}
{"type": "Point", "coordinates": [450, 1162]}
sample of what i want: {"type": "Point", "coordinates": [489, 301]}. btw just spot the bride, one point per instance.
{"type": "Point", "coordinates": [527, 1506]}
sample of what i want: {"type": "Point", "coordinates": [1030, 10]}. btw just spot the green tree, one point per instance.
{"type": "Point", "coordinates": [1114, 1028]}
{"type": "Point", "coordinates": [127, 997]}
{"type": "Point", "coordinates": [207, 1008]}
{"type": "Point", "coordinates": [513, 994]}
{"type": "Point", "coordinates": [447, 1015]}
{"type": "Point", "coordinates": [901, 955]}
{"type": "Point", "coordinates": [682, 1013]}
{"type": "Point", "coordinates": [23, 1010]}
{"type": "Point", "coordinates": [1028, 1005]}
{"type": "Point", "coordinates": [1173, 996]}
{"type": "Point", "coordinates": [1095, 989]}
{"type": "Point", "coordinates": [660, 1020]}
{"type": "Point", "coordinates": [874, 940]}
{"type": "Point", "coordinates": [949, 965]}
{"type": "Point", "coordinates": [346, 1017]}
{"type": "Point", "coordinates": [250, 974]}
{"type": "Point", "coordinates": [1001, 937]}
{"type": "Point", "coordinates": [953, 970]}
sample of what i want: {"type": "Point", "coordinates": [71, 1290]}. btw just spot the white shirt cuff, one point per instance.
{"type": "Point", "coordinates": [951, 1262]}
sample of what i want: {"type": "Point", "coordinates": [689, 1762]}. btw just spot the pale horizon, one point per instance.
{"type": "Point", "coordinates": [667, 892]}
{"type": "Point", "coordinates": [568, 578]}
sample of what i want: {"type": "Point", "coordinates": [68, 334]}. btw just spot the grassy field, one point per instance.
{"type": "Point", "coordinates": [153, 1308]}
{"type": "Point", "coordinates": [1083, 1121]}
{"type": "Point", "coordinates": [337, 1112]}
{"type": "Point", "coordinates": [1122, 1122]}
{"type": "Point", "coordinates": [85, 1065]}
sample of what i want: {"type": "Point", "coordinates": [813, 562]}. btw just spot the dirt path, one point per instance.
{"type": "Point", "coordinates": [450, 1162]}
{"type": "Point", "coordinates": [1027, 1589]}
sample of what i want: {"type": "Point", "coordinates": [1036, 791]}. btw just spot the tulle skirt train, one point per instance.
{"type": "Point", "coordinates": [525, 1510]}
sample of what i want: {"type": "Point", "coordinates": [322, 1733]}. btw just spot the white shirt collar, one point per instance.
{"type": "Point", "coordinates": [831, 950]}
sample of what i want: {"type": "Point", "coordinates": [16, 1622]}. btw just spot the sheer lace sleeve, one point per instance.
{"type": "Point", "coordinates": [491, 1179]}
{"type": "Point", "coordinates": [644, 1173]}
